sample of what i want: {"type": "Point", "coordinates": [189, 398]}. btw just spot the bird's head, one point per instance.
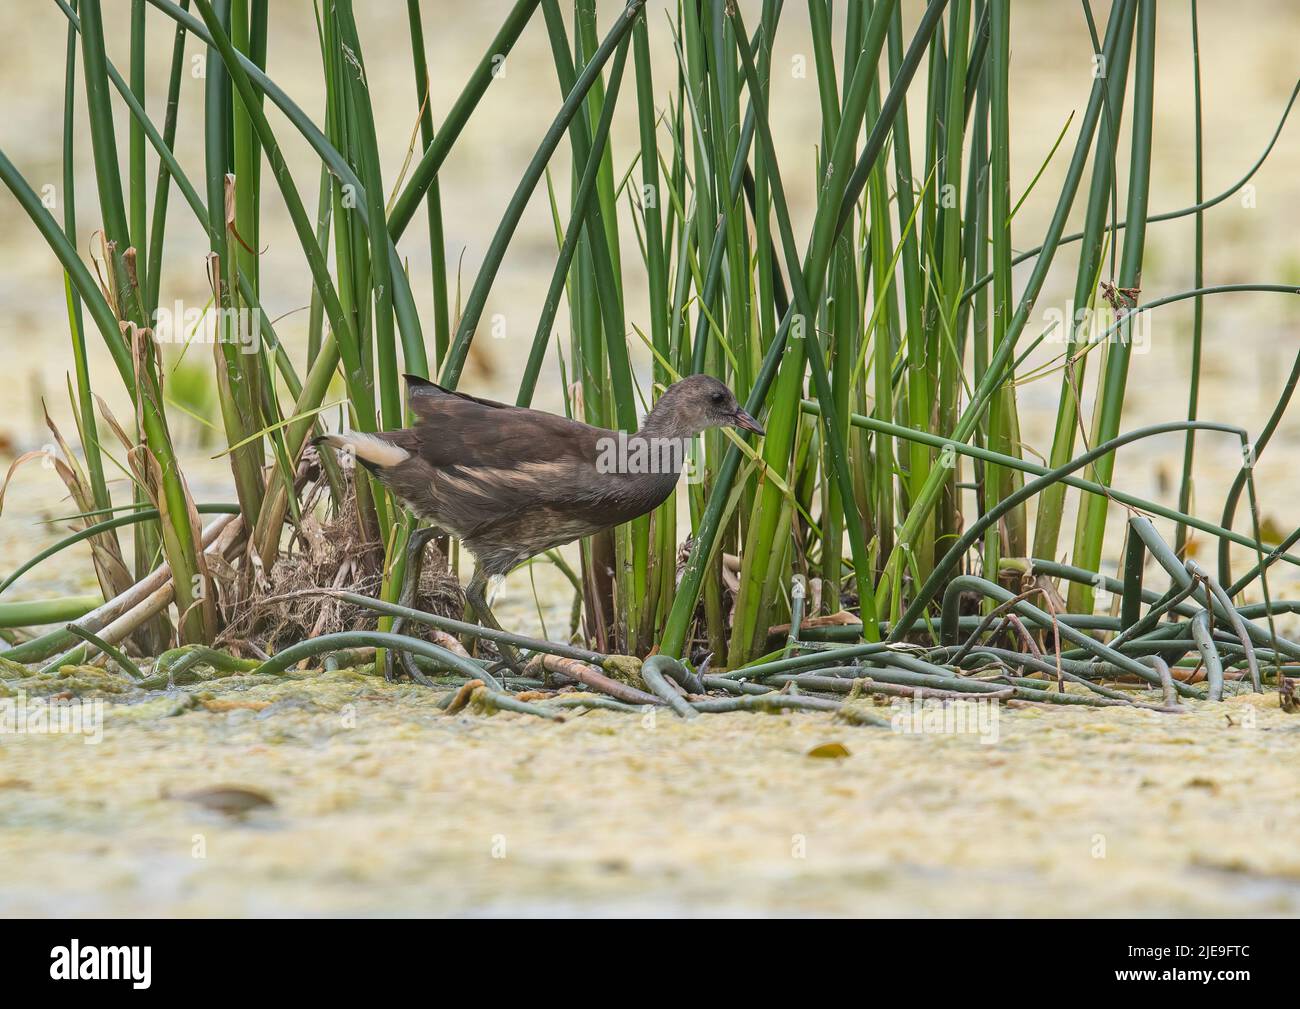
{"type": "Point", "coordinates": [700, 402]}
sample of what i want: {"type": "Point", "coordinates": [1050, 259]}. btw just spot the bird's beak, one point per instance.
{"type": "Point", "coordinates": [747, 423]}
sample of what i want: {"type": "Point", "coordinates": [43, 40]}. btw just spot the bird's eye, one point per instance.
{"type": "Point", "coordinates": [719, 398]}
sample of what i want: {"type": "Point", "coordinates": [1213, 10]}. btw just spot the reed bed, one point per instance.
{"type": "Point", "coordinates": [889, 521]}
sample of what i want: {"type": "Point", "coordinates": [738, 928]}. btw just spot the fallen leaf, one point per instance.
{"type": "Point", "coordinates": [232, 800]}
{"type": "Point", "coordinates": [829, 751]}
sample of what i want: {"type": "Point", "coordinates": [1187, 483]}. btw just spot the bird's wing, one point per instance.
{"type": "Point", "coordinates": [424, 394]}
{"type": "Point", "coordinates": [494, 440]}
{"type": "Point", "coordinates": [507, 481]}
{"type": "Point", "coordinates": [493, 463]}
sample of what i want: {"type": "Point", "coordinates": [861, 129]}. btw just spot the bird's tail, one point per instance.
{"type": "Point", "coordinates": [371, 450]}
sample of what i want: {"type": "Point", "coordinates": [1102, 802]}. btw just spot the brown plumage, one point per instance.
{"type": "Point", "coordinates": [511, 482]}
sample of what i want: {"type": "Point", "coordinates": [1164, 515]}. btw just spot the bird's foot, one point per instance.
{"type": "Point", "coordinates": [415, 545]}
{"type": "Point", "coordinates": [413, 671]}
{"type": "Point", "coordinates": [482, 612]}
{"type": "Point", "coordinates": [510, 660]}
{"type": "Point", "coordinates": [398, 663]}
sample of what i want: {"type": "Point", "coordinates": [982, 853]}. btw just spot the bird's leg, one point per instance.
{"type": "Point", "coordinates": [415, 545]}
{"type": "Point", "coordinates": [476, 596]}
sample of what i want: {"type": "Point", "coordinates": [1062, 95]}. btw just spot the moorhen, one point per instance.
{"type": "Point", "coordinates": [511, 482]}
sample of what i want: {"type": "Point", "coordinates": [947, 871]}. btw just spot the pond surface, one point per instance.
{"type": "Point", "coordinates": [383, 805]}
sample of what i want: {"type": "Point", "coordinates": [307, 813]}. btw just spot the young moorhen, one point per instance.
{"type": "Point", "coordinates": [510, 482]}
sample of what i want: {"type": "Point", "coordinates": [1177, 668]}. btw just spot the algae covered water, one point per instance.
{"type": "Point", "coordinates": [330, 793]}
